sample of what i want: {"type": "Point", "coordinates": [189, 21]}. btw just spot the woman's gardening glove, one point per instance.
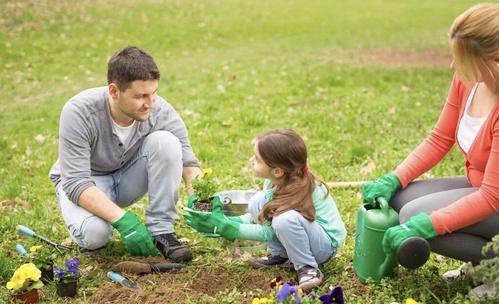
{"type": "Point", "coordinates": [214, 222]}
{"type": "Point", "coordinates": [385, 186]}
{"type": "Point", "coordinates": [135, 236]}
{"type": "Point", "coordinates": [418, 225]}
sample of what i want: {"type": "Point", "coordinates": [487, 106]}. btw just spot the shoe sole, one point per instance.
{"type": "Point", "coordinates": [285, 265]}
{"type": "Point", "coordinates": [310, 285]}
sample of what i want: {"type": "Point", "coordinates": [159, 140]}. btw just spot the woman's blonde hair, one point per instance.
{"type": "Point", "coordinates": [474, 39]}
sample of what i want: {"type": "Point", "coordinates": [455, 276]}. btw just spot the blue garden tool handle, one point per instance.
{"type": "Point", "coordinates": [21, 250]}
{"type": "Point", "coordinates": [114, 276]}
{"type": "Point", "coordinates": [26, 231]}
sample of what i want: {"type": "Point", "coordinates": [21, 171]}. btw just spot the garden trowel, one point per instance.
{"type": "Point", "coordinates": [116, 277]}
{"type": "Point", "coordinates": [140, 268]}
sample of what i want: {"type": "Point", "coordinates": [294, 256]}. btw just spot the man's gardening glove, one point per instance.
{"type": "Point", "coordinates": [213, 223]}
{"type": "Point", "coordinates": [135, 236]}
{"type": "Point", "coordinates": [418, 225]}
{"type": "Point", "coordinates": [385, 186]}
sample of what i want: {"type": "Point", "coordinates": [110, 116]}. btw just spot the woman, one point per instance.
{"type": "Point", "coordinates": [458, 215]}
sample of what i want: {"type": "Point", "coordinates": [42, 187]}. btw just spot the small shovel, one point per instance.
{"type": "Point", "coordinates": [116, 277]}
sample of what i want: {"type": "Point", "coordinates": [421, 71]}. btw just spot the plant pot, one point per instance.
{"type": "Point", "coordinates": [26, 298]}
{"type": "Point", "coordinates": [67, 289]}
{"type": "Point", "coordinates": [203, 205]}
{"type": "Point", "coordinates": [47, 274]}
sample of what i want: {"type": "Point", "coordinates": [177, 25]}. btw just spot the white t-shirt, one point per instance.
{"type": "Point", "coordinates": [468, 125]}
{"type": "Point", "coordinates": [123, 132]}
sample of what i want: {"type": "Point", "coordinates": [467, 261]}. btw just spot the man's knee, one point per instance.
{"type": "Point", "coordinates": [286, 220]}
{"type": "Point", "coordinates": [94, 233]}
{"type": "Point", "coordinates": [165, 144]}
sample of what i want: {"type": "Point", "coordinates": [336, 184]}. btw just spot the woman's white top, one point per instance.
{"type": "Point", "coordinates": [468, 125]}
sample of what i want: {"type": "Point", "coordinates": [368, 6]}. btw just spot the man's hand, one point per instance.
{"type": "Point", "coordinates": [385, 186]}
{"type": "Point", "coordinates": [135, 236]}
{"type": "Point", "coordinates": [188, 175]}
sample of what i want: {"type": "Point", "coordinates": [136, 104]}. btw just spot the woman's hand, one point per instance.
{"type": "Point", "coordinates": [385, 186]}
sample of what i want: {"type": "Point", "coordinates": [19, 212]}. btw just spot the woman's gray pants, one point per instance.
{"type": "Point", "coordinates": [432, 194]}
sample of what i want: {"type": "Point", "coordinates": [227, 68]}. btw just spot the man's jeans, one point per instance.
{"type": "Point", "coordinates": [157, 170]}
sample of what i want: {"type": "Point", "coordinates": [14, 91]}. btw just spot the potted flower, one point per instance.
{"type": "Point", "coordinates": [43, 258]}
{"type": "Point", "coordinates": [204, 188]}
{"type": "Point", "coordinates": [66, 279]}
{"type": "Point", "coordinates": [24, 284]}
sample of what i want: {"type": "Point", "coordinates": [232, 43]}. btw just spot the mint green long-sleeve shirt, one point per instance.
{"type": "Point", "coordinates": [327, 216]}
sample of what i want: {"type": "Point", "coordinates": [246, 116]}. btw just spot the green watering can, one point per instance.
{"type": "Point", "coordinates": [370, 261]}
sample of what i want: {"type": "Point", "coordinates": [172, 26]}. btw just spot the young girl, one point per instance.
{"type": "Point", "coordinates": [295, 212]}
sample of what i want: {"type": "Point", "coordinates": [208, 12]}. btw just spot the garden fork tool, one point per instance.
{"type": "Point", "coordinates": [26, 231]}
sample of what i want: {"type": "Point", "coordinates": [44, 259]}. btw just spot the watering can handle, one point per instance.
{"type": "Point", "coordinates": [383, 204]}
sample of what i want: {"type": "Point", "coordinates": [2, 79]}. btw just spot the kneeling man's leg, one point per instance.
{"type": "Point", "coordinates": [86, 229]}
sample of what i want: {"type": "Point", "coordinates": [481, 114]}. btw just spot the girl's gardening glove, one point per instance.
{"type": "Point", "coordinates": [135, 236]}
{"type": "Point", "coordinates": [385, 186]}
{"type": "Point", "coordinates": [418, 225]}
{"type": "Point", "coordinates": [215, 222]}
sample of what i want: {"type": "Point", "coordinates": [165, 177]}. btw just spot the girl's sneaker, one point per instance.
{"type": "Point", "coordinates": [270, 261]}
{"type": "Point", "coordinates": [309, 277]}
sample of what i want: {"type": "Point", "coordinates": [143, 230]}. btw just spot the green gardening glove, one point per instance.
{"type": "Point", "coordinates": [213, 223]}
{"type": "Point", "coordinates": [191, 200]}
{"type": "Point", "coordinates": [135, 236]}
{"type": "Point", "coordinates": [417, 225]}
{"type": "Point", "coordinates": [385, 186]}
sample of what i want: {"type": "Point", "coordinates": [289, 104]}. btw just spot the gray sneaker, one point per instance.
{"type": "Point", "coordinates": [309, 277]}
{"type": "Point", "coordinates": [270, 261]}
{"type": "Point", "coordinates": [171, 248]}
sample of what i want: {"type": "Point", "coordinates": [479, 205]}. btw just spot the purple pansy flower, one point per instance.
{"type": "Point", "coordinates": [285, 291]}
{"type": "Point", "coordinates": [59, 273]}
{"type": "Point", "coordinates": [334, 296]}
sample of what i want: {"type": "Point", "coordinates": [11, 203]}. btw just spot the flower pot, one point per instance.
{"type": "Point", "coordinates": [26, 298]}
{"type": "Point", "coordinates": [67, 289]}
{"type": "Point", "coordinates": [47, 274]}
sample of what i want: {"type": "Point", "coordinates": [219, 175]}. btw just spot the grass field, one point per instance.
{"type": "Point", "coordinates": [362, 81]}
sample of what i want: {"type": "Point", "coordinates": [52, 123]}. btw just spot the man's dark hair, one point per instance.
{"type": "Point", "coordinates": [130, 64]}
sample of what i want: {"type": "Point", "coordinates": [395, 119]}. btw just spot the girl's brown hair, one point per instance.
{"type": "Point", "coordinates": [474, 39]}
{"type": "Point", "coordinates": [286, 150]}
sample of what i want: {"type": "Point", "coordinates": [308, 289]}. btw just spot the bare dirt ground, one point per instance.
{"type": "Point", "coordinates": [179, 286]}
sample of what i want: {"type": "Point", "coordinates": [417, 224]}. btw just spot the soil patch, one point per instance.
{"type": "Point", "coordinates": [177, 287]}
{"type": "Point", "coordinates": [393, 58]}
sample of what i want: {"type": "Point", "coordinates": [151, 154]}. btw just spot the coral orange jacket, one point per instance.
{"type": "Point", "coordinates": [482, 162]}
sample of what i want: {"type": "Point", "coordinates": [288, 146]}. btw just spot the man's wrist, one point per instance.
{"type": "Point", "coordinates": [117, 215]}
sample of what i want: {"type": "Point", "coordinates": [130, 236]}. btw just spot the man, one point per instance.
{"type": "Point", "coordinates": [115, 144]}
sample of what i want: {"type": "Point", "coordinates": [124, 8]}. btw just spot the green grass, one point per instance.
{"type": "Point", "coordinates": [233, 69]}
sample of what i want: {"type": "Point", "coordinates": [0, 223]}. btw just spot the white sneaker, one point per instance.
{"type": "Point", "coordinates": [309, 277]}
{"type": "Point", "coordinates": [454, 274]}
{"type": "Point", "coordinates": [483, 292]}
